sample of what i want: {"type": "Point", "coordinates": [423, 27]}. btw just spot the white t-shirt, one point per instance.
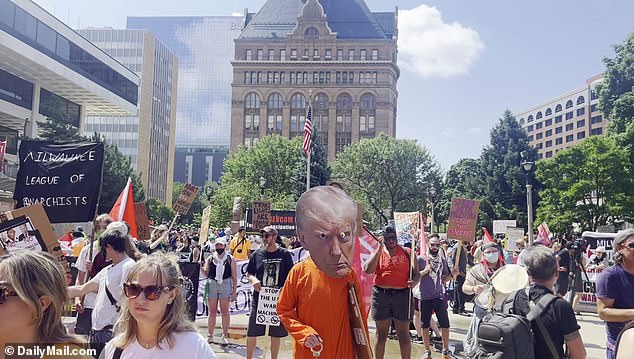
{"type": "Point", "coordinates": [189, 345]}
{"type": "Point", "coordinates": [104, 313]}
{"type": "Point", "coordinates": [89, 299]}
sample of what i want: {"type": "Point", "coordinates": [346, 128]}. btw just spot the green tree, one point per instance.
{"type": "Point", "coordinates": [58, 126]}
{"type": "Point", "coordinates": [388, 173]}
{"type": "Point", "coordinates": [320, 171]}
{"type": "Point", "coordinates": [275, 158]}
{"type": "Point", "coordinates": [158, 211]}
{"type": "Point", "coordinates": [463, 180]}
{"type": "Point", "coordinates": [616, 95]}
{"type": "Point", "coordinates": [590, 184]}
{"type": "Point", "coordinates": [503, 186]}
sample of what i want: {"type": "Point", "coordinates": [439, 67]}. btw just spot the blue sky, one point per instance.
{"type": "Point", "coordinates": [478, 58]}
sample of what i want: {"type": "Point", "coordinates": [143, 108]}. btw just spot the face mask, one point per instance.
{"type": "Point", "coordinates": [491, 257]}
{"type": "Point", "coordinates": [220, 250]}
{"type": "Point", "coordinates": [433, 251]}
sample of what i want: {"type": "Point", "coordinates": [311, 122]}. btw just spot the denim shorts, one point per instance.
{"type": "Point", "coordinates": [219, 291]}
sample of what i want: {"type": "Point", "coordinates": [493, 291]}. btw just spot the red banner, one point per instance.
{"type": "Point", "coordinates": [363, 247]}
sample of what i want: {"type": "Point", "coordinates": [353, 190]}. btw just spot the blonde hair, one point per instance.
{"type": "Point", "coordinates": [33, 275]}
{"type": "Point", "coordinates": [168, 274]}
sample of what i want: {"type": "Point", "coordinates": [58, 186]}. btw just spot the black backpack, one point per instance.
{"type": "Point", "coordinates": [504, 335]}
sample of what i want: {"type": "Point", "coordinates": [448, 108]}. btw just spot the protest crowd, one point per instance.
{"type": "Point", "coordinates": [130, 296]}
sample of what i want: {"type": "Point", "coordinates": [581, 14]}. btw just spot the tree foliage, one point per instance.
{"type": "Point", "coordinates": [590, 184]}
{"type": "Point", "coordinates": [274, 158]}
{"type": "Point", "coordinates": [616, 95]}
{"type": "Point", "coordinates": [388, 173]}
{"type": "Point", "coordinates": [320, 171]}
{"type": "Point", "coordinates": [116, 170]}
{"type": "Point", "coordinates": [158, 211]}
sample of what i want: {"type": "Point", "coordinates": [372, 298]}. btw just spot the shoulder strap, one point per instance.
{"type": "Point", "coordinates": [117, 353]}
{"type": "Point", "coordinates": [406, 254]}
{"type": "Point", "coordinates": [535, 315]}
{"type": "Point", "coordinates": [110, 296]}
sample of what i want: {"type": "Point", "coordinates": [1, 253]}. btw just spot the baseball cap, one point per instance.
{"type": "Point", "coordinates": [221, 240]}
{"type": "Point", "coordinates": [600, 249]}
{"type": "Point", "coordinates": [269, 230]}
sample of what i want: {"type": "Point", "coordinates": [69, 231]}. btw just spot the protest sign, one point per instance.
{"type": "Point", "coordinates": [463, 217]}
{"type": "Point", "coordinates": [261, 214]}
{"type": "Point", "coordinates": [407, 226]}
{"type": "Point", "coordinates": [190, 286]}
{"type": "Point", "coordinates": [513, 234]}
{"type": "Point", "coordinates": [19, 233]}
{"type": "Point", "coordinates": [499, 226]}
{"type": "Point", "coordinates": [142, 222]}
{"type": "Point", "coordinates": [204, 224]}
{"type": "Point", "coordinates": [64, 177]}
{"type": "Point", "coordinates": [267, 307]}
{"type": "Point", "coordinates": [186, 198]}
{"type": "Point", "coordinates": [282, 221]}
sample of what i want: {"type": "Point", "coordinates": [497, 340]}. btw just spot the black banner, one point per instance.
{"type": "Point", "coordinates": [282, 221]}
{"type": "Point", "coordinates": [64, 177]}
{"type": "Point", "coordinates": [189, 287]}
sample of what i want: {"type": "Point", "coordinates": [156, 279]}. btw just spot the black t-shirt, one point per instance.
{"type": "Point", "coordinates": [270, 268]}
{"type": "Point", "coordinates": [564, 259]}
{"type": "Point", "coordinates": [558, 318]}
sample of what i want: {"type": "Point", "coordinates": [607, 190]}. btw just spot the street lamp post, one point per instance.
{"type": "Point", "coordinates": [210, 190]}
{"type": "Point", "coordinates": [262, 184]}
{"type": "Point", "coordinates": [432, 197]}
{"type": "Point", "coordinates": [528, 167]}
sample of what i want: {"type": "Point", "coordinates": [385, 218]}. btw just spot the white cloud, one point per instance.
{"type": "Point", "coordinates": [474, 130]}
{"type": "Point", "coordinates": [431, 47]}
{"type": "Point", "coordinates": [447, 131]}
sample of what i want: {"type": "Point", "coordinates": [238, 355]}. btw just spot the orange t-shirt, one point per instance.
{"type": "Point", "coordinates": [313, 303]}
{"type": "Point", "coordinates": [393, 272]}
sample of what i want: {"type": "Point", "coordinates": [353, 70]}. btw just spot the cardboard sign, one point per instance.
{"type": "Point", "coordinates": [261, 214]}
{"type": "Point", "coordinates": [186, 198]}
{"type": "Point", "coordinates": [267, 307]}
{"type": "Point", "coordinates": [142, 223]}
{"type": "Point", "coordinates": [499, 226]}
{"type": "Point", "coordinates": [513, 234]}
{"type": "Point", "coordinates": [64, 177]}
{"type": "Point", "coordinates": [407, 226]}
{"type": "Point", "coordinates": [282, 221]}
{"type": "Point", "coordinates": [463, 218]}
{"type": "Point", "coordinates": [204, 224]}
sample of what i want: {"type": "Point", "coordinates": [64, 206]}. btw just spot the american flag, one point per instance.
{"type": "Point", "coordinates": [308, 130]}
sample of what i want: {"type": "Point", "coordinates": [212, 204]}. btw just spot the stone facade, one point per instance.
{"type": "Point", "coordinates": [352, 78]}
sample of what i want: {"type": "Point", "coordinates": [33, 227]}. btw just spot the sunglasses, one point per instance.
{"type": "Point", "coordinates": [434, 245]}
{"type": "Point", "coordinates": [6, 293]}
{"type": "Point", "coordinates": [629, 245]}
{"type": "Point", "coordinates": [151, 292]}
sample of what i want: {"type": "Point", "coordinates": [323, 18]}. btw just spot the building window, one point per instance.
{"type": "Point", "coordinates": [596, 119]}
{"type": "Point", "coordinates": [247, 77]}
{"type": "Point", "coordinates": [298, 114]}
{"type": "Point", "coordinates": [260, 54]}
{"type": "Point", "coordinates": [375, 55]}
{"type": "Point", "coordinates": [539, 115]}
{"type": "Point", "coordinates": [529, 128]}
{"type": "Point", "coordinates": [548, 122]}
{"type": "Point", "coordinates": [530, 138]}
{"type": "Point", "coordinates": [274, 113]}
{"type": "Point", "coordinates": [569, 127]}
{"type": "Point", "coordinates": [339, 54]}
{"type": "Point", "coordinates": [581, 123]}
{"type": "Point", "coordinates": [549, 133]}
{"type": "Point", "coordinates": [367, 114]}
{"type": "Point", "coordinates": [593, 95]}
{"type": "Point", "coordinates": [549, 154]}
{"type": "Point", "coordinates": [248, 57]}
{"type": "Point", "coordinates": [539, 125]}
{"type": "Point", "coordinates": [344, 122]}
{"type": "Point", "coordinates": [569, 115]}
{"type": "Point", "coordinates": [569, 104]}
{"type": "Point", "coordinates": [580, 100]}
{"type": "Point", "coordinates": [311, 33]}
{"type": "Point", "coordinates": [530, 118]}
{"type": "Point", "coordinates": [305, 57]}
{"type": "Point", "coordinates": [271, 55]}
{"type": "Point", "coordinates": [581, 111]}
{"type": "Point", "coordinates": [570, 138]}
{"type": "Point", "coordinates": [363, 53]}
{"type": "Point", "coordinates": [328, 54]}
{"type": "Point", "coordinates": [252, 112]}
{"type": "Point", "coordinates": [548, 112]}
{"type": "Point", "coordinates": [558, 108]}
{"type": "Point", "coordinates": [558, 119]}
{"type": "Point", "coordinates": [320, 116]}
{"type": "Point", "coordinates": [351, 55]}
{"type": "Point", "coordinates": [283, 55]}
{"type": "Point", "coordinates": [549, 143]}
{"type": "Point", "coordinates": [522, 121]}
{"type": "Point", "coordinates": [596, 131]}
{"type": "Point", "coordinates": [581, 135]}
{"type": "Point", "coordinates": [594, 108]}
{"type": "Point", "coordinates": [315, 54]}
{"type": "Point", "coordinates": [558, 130]}
{"type": "Point", "coordinates": [293, 54]}
{"type": "Point", "coordinates": [269, 78]}
{"type": "Point", "coordinates": [559, 141]}
{"type": "Point", "coordinates": [539, 136]}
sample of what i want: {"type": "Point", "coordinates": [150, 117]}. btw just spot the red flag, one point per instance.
{"type": "Point", "coordinates": [123, 209]}
{"type": "Point", "coordinates": [489, 238]}
{"type": "Point", "coordinates": [363, 247]}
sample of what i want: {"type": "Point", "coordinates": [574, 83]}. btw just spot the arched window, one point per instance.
{"type": "Point", "coordinates": [580, 100]}
{"type": "Point", "coordinates": [344, 122]}
{"type": "Point", "coordinates": [252, 112]}
{"type": "Point", "coordinates": [548, 112]}
{"type": "Point", "coordinates": [569, 104]}
{"type": "Point", "coordinates": [367, 114]}
{"type": "Point", "coordinates": [539, 115]}
{"type": "Point", "coordinates": [522, 121]}
{"type": "Point", "coordinates": [320, 116]}
{"type": "Point", "coordinates": [274, 113]}
{"type": "Point", "coordinates": [558, 108]}
{"type": "Point", "coordinates": [311, 33]}
{"type": "Point", "coordinates": [298, 114]}
{"type": "Point", "coordinates": [530, 118]}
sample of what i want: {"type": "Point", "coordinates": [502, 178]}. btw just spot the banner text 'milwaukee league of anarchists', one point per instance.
{"type": "Point", "coordinates": [64, 177]}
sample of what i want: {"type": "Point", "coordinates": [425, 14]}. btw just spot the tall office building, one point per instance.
{"type": "Point", "coordinates": [205, 48]}
{"type": "Point", "coordinates": [148, 139]}
{"type": "Point", "coordinates": [339, 49]}
{"type": "Point", "coordinates": [46, 69]}
{"type": "Point", "coordinates": [565, 120]}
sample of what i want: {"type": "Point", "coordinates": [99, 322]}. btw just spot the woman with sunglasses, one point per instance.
{"type": "Point", "coordinates": [32, 296]}
{"type": "Point", "coordinates": [153, 322]}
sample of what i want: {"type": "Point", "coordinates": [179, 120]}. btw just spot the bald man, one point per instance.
{"type": "Point", "coordinates": [313, 304]}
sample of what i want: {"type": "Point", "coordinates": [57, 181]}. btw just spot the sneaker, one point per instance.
{"type": "Point", "coordinates": [210, 338]}
{"type": "Point", "coordinates": [427, 354]}
{"type": "Point", "coordinates": [446, 354]}
{"type": "Point", "coordinates": [223, 340]}
{"type": "Point", "coordinates": [417, 339]}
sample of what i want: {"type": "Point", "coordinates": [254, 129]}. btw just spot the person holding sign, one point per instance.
{"type": "Point", "coordinates": [314, 304]}
{"type": "Point", "coordinates": [268, 267]}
